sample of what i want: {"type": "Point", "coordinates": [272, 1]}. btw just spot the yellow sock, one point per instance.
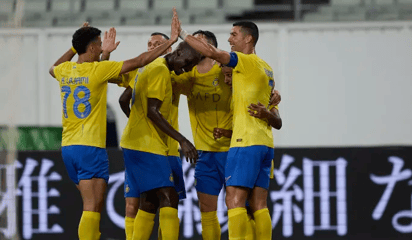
{"type": "Point", "coordinates": [143, 225]}
{"type": "Point", "coordinates": [250, 229]}
{"type": "Point", "coordinates": [237, 223]}
{"type": "Point", "coordinates": [128, 227]}
{"type": "Point", "coordinates": [159, 234]}
{"type": "Point", "coordinates": [263, 224]}
{"type": "Point", "coordinates": [169, 223]}
{"type": "Point", "coordinates": [89, 226]}
{"type": "Point", "coordinates": [210, 226]}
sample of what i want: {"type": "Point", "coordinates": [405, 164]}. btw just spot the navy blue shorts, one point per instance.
{"type": "Point", "coordinates": [177, 170]}
{"type": "Point", "coordinates": [145, 171]}
{"type": "Point", "coordinates": [85, 162]}
{"type": "Point", "coordinates": [210, 172]}
{"type": "Point", "coordinates": [249, 166]}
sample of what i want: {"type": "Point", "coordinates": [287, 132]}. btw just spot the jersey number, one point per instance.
{"type": "Point", "coordinates": [134, 89]}
{"type": "Point", "coordinates": [77, 101]}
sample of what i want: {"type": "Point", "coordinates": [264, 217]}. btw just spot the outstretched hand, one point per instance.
{"type": "Point", "coordinates": [176, 28]}
{"type": "Point", "coordinates": [109, 41]}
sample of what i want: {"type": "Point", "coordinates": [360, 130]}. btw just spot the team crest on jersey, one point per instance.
{"type": "Point", "coordinates": [171, 177]}
{"type": "Point", "coordinates": [215, 82]}
{"type": "Point", "coordinates": [269, 73]}
{"type": "Point", "coordinates": [127, 188]}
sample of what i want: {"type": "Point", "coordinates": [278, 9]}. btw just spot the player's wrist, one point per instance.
{"type": "Point", "coordinates": [73, 50]}
{"type": "Point", "coordinates": [183, 34]}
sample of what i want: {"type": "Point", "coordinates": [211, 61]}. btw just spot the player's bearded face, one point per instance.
{"type": "Point", "coordinates": [236, 39]}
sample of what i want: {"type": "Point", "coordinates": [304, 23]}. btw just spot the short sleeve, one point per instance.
{"type": "Point", "coordinates": [245, 62]}
{"type": "Point", "coordinates": [57, 71]}
{"type": "Point", "coordinates": [157, 82]}
{"type": "Point", "coordinates": [106, 70]}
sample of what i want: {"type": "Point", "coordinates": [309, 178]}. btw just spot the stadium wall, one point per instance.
{"type": "Point", "coordinates": [341, 84]}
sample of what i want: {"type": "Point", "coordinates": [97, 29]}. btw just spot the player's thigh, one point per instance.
{"type": "Point", "coordinates": [92, 192]}
{"type": "Point", "coordinates": [167, 197]}
{"type": "Point", "coordinates": [207, 202]}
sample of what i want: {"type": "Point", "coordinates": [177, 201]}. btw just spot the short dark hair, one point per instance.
{"type": "Point", "coordinates": [209, 36]}
{"type": "Point", "coordinates": [161, 34]}
{"type": "Point", "coordinates": [192, 50]}
{"type": "Point", "coordinates": [83, 37]}
{"type": "Point", "coordinates": [250, 29]}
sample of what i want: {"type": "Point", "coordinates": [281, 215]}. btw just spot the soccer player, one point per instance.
{"type": "Point", "coordinates": [259, 113]}
{"type": "Point", "coordinates": [132, 198]}
{"type": "Point", "coordinates": [144, 142]}
{"type": "Point", "coordinates": [209, 101]}
{"type": "Point", "coordinates": [83, 87]}
{"type": "Point", "coordinates": [251, 150]}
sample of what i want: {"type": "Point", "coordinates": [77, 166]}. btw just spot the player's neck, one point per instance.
{"type": "Point", "coordinates": [248, 49]}
{"type": "Point", "coordinates": [87, 57]}
{"type": "Point", "coordinates": [205, 65]}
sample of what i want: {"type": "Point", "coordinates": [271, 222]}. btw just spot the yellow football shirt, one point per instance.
{"type": "Point", "coordinates": [180, 85]}
{"type": "Point", "coordinates": [140, 133]}
{"type": "Point", "coordinates": [209, 103]}
{"type": "Point", "coordinates": [252, 83]}
{"type": "Point", "coordinates": [83, 94]}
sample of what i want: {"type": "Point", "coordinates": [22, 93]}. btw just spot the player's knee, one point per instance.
{"type": "Point", "coordinates": [256, 205]}
{"type": "Point", "coordinates": [131, 210]}
{"type": "Point", "coordinates": [234, 201]}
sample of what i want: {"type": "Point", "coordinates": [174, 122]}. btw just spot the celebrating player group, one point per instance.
{"type": "Point", "coordinates": [232, 107]}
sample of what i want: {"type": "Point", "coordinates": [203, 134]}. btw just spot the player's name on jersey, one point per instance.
{"type": "Point", "coordinates": [75, 81]}
{"type": "Point", "coordinates": [206, 96]}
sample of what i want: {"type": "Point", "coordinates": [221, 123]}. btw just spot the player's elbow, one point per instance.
{"type": "Point", "coordinates": [278, 124]}
{"type": "Point", "coordinates": [152, 113]}
{"type": "Point", "coordinates": [51, 71]}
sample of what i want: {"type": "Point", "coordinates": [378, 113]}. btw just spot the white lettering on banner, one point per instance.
{"type": "Point", "coordinates": [8, 199]}
{"type": "Point", "coordinates": [25, 189]}
{"type": "Point", "coordinates": [390, 181]}
{"type": "Point", "coordinates": [118, 181]}
{"type": "Point", "coordinates": [289, 211]}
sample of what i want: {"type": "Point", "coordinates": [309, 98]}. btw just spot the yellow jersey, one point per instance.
{"type": "Point", "coordinates": [252, 83]}
{"type": "Point", "coordinates": [209, 103]}
{"type": "Point", "coordinates": [84, 96]}
{"type": "Point", "coordinates": [140, 133]}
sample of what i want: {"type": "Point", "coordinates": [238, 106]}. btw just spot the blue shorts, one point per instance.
{"type": "Point", "coordinates": [85, 162]}
{"type": "Point", "coordinates": [249, 166]}
{"type": "Point", "coordinates": [145, 171]}
{"type": "Point", "coordinates": [177, 170]}
{"type": "Point", "coordinates": [210, 172]}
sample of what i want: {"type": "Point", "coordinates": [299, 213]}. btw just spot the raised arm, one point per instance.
{"type": "Point", "coordinates": [67, 56]}
{"type": "Point", "coordinates": [109, 44]}
{"type": "Point", "coordinates": [204, 48]}
{"type": "Point", "coordinates": [147, 57]}
{"type": "Point", "coordinates": [153, 113]}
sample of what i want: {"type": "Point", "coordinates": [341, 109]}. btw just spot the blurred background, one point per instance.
{"type": "Point", "coordinates": [342, 158]}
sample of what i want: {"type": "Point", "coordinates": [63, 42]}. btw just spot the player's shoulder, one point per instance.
{"type": "Point", "coordinates": [158, 63]}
